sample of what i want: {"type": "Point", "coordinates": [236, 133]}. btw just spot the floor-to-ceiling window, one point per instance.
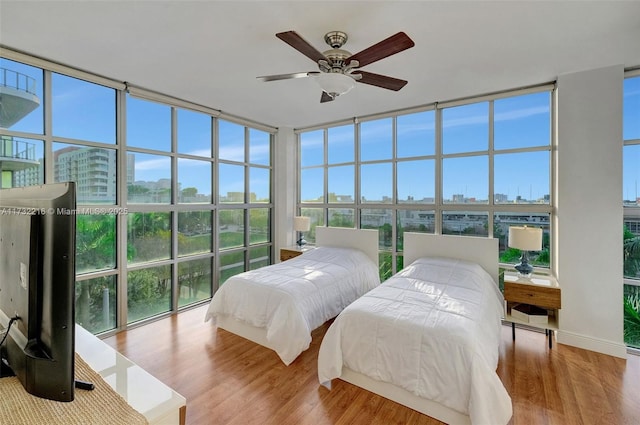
{"type": "Point", "coordinates": [172, 198]}
{"type": "Point", "coordinates": [468, 168]}
{"type": "Point", "coordinates": [631, 206]}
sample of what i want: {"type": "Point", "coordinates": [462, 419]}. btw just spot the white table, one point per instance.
{"type": "Point", "coordinates": [156, 401]}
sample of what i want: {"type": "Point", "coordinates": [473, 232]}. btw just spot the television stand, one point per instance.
{"type": "Point", "coordinates": [157, 402]}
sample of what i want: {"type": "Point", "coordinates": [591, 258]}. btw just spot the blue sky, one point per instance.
{"type": "Point", "coordinates": [86, 111]}
{"type": "Point", "coordinates": [519, 123]}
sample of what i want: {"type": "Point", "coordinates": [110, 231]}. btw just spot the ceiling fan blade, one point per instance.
{"type": "Point", "coordinates": [387, 47]}
{"type": "Point", "coordinates": [325, 97]}
{"type": "Point", "coordinates": [287, 76]}
{"type": "Point", "coordinates": [380, 80]}
{"type": "Point", "coordinates": [300, 44]}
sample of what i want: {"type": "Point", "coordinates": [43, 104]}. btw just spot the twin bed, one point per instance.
{"type": "Point", "coordinates": [426, 338]}
{"type": "Point", "coordinates": [278, 306]}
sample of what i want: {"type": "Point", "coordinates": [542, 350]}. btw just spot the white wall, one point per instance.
{"type": "Point", "coordinates": [589, 209]}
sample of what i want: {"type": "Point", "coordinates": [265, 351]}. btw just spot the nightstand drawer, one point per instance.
{"type": "Point", "coordinates": [287, 254]}
{"type": "Point", "coordinates": [532, 294]}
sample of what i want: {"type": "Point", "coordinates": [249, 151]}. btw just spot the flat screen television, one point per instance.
{"type": "Point", "coordinates": [37, 288]}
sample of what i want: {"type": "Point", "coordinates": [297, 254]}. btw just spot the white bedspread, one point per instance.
{"type": "Point", "coordinates": [432, 329]}
{"type": "Point", "coordinates": [294, 297]}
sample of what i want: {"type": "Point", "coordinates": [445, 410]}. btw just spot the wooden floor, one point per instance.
{"type": "Point", "coordinates": [229, 380]}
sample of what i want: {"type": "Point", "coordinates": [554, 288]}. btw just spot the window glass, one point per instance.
{"type": "Point", "coordinates": [148, 292]}
{"type": "Point", "coordinates": [95, 242]}
{"type": "Point", "coordinates": [416, 134]}
{"type": "Point", "coordinates": [522, 178]}
{"type": "Point", "coordinates": [231, 183]}
{"type": "Point", "coordinates": [341, 183]}
{"type": "Point", "coordinates": [259, 230]}
{"type": "Point", "coordinates": [340, 144]}
{"type": "Point", "coordinates": [501, 223]}
{"type": "Point", "coordinates": [231, 228]}
{"type": "Point", "coordinates": [316, 218]}
{"type": "Point", "coordinates": [312, 185]}
{"type": "Point", "coordinates": [194, 232]}
{"type": "Point", "coordinates": [259, 257]}
{"type": "Point", "coordinates": [312, 148]}
{"type": "Point", "coordinates": [259, 147]}
{"type": "Point", "coordinates": [230, 141]}
{"type": "Point", "coordinates": [522, 121]}
{"type": "Point", "coordinates": [416, 182]}
{"type": "Point", "coordinates": [22, 162]}
{"type": "Point", "coordinates": [382, 220]}
{"type": "Point", "coordinates": [83, 110]}
{"type": "Point", "coordinates": [465, 223]}
{"type": "Point", "coordinates": [631, 295]}
{"type": "Point", "coordinates": [194, 281]}
{"type": "Point", "coordinates": [341, 217]}
{"type": "Point", "coordinates": [148, 236]}
{"type": "Point", "coordinates": [24, 82]}
{"type": "Point", "coordinates": [631, 109]}
{"type": "Point", "coordinates": [93, 169]}
{"type": "Point", "coordinates": [148, 125]}
{"type": "Point", "coordinates": [231, 264]}
{"type": "Point", "coordinates": [96, 303]}
{"type": "Point", "coordinates": [631, 247]}
{"type": "Point", "coordinates": [376, 139]}
{"type": "Point", "coordinates": [259, 185]}
{"type": "Point", "coordinates": [148, 178]}
{"type": "Point", "coordinates": [631, 175]}
{"type": "Point", "coordinates": [415, 221]}
{"type": "Point", "coordinates": [376, 181]}
{"type": "Point", "coordinates": [416, 153]}
{"type": "Point", "coordinates": [465, 180]}
{"type": "Point", "coordinates": [194, 133]}
{"type": "Point", "coordinates": [194, 181]}
{"type": "Point", "coordinates": [465, 128]}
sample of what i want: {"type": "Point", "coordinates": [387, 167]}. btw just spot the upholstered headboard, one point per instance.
{"type": "Point", "coordinates": [365, 240]}
{"type": "Point", "coordinates": [483, 251]}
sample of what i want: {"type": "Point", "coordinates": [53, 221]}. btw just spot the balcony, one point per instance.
{"type": "Point", "coordinates": [18, 93]}
{"type": "Point", "coordinates": [16, 155]}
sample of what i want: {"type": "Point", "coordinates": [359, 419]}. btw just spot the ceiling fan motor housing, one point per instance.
{"type": "Point", "coordinates": [335, 39]}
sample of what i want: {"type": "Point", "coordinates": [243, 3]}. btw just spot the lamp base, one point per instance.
{"type": "Point", "coordinates": [524, 268]}
{"type": "Point", "coordinates": [301, 242]}
{"type": "Point", "coordinates": [523, 273]}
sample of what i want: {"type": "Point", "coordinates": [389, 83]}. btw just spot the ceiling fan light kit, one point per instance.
{"type": "Point", "coordinates": [339, 69]}
{"type": "Point", "coordinates": [335, 84]}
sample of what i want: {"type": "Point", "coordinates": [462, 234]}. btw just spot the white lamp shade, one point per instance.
{"type": "Point", "coordinates": [335, 83]}
{"type": "Point", "coordinates": [301, 224]}
{"type": "Point", "coordinates": [525, 238]}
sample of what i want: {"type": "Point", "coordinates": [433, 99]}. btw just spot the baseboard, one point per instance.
{"type": "Point", "coordinates": [593, 344]}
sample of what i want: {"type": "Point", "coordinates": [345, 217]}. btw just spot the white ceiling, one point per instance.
{"type": "Point", "coordinates": [210, 52]}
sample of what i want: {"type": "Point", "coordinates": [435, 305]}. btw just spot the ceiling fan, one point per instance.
{"type": "Point", "coordinates": [339, 69]}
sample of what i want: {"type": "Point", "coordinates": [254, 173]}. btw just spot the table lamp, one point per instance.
{"type": "Point", "coordinates": [525, 239]}
{"type": "Point", "coordinates": [301, 224]}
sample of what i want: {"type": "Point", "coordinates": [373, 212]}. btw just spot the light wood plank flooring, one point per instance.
{"type": "Point", "coordinates": [229, 380]}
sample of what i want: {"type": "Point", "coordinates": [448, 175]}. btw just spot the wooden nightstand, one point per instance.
{"type": "Point", "coordinates": [291, 252]}
{"type": "Point", "coordinates": [539, 291]}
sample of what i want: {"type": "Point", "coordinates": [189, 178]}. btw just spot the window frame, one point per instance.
{"type": "Point", "coordinates": [438, 205]}
{"type": "Point", "coordinates": [121, 269]}
{"type": "Point", "coordinates": [627, 210]}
